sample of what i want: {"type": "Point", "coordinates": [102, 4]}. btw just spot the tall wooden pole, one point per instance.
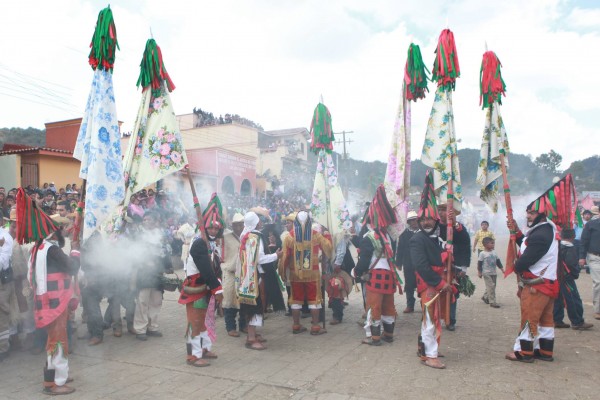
{"type": "Point", "coordinates": [196, 205]}
{"type": "Point", "coordinates": [449, 240]}
{"type": "Point", "coordinates": [512, 244]}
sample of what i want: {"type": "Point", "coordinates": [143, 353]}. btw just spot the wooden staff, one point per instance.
{"type": "Point", "coordinates": [79, 214]}
{"type": "Point", "coordinates": [196, 204]}
{"type": "Point", "coordinates": [512, 244]}
{"type": "Point", "coordinates": [449, 238]}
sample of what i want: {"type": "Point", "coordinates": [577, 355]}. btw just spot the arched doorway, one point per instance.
{"type": "Point", "coordinates": [246, 189]}
{"type": "Point", "coordinates": [227, 185]}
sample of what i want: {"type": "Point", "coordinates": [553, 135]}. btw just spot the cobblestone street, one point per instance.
{"type": "Point", "coordinates": [332, 366]}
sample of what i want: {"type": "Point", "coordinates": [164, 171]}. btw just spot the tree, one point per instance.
{"type": "Point", "coordinates": [549, 161]}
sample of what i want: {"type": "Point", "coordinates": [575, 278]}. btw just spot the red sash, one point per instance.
{"type": "Point", "coordinates": [549, 288]}
{"type": "Point", "coordinates": [190, 281]}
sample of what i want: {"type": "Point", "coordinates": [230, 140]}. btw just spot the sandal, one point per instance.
{"type": "Point", "coordinates": [200, 362]}
{"type": "Point", "coordinates": [429, 363]}
{"type": "Point", "coordinates": [512, 356]}
{"type": "Point", "coordinates": [318, 331]}
{"type": "Point", "coordinates": [255, 345]}
{"type": "Point", "coordinates": [260, 338]}
{"type": "Point", "coordinates": [209, 355]}
{"type": "Point", "coordinates": [298, 329]}
{"type": "Point", "coordinates": [371, 342]}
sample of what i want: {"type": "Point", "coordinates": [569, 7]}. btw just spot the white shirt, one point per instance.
{"type": "Point", "coordinates": [6, 249]}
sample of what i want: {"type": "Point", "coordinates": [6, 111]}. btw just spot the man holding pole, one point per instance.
{"type": "Point", "coordinates": [429, 260]}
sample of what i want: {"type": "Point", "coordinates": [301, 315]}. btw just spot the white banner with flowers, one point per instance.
{"type": "Point", "coordinates": [155, 148]}
{"type": "Point", "coordinates": [328, 206]}
{"type": "Point", "coordinates": [98, 147]}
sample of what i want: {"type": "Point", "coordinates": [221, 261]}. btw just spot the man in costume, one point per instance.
{"type": "Point", "coordinates": [428, 259]}
{"type": "Point", "coordinates": [202, 291]}
{"type": "Point", "coordinates": [404, 262]}
{"type": "Point", "coordinates": [301, 263]}
{"type": "Point", "coordinates": [250, 278]}
{"type": "Point", "coordinates": [230, 265]}
{"type": "Point", "coordinates": [51, 272]}
{"type": "Point", "coordinates": [461, 257]}
{"type": "Point", "coordinates": [538, 286]}
{"type": "Point", "coordinates": [339, 283]}
{"type": "Point", "coordinates": [377, 269]}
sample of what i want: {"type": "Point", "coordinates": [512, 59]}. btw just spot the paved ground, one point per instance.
{"type": "Point", "coordinates": [332, 366]}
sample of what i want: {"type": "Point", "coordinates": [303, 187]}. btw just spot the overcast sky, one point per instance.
{"type": "Point", "coordinates": [269, 61]}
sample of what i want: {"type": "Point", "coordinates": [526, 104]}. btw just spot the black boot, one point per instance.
{"type": "Point", "coordinates": [421, 348]}
{"type": "Point", "coordinates": [375, 339]}
{"type": "Point", "coordinates": [48, 379]}
{"type": "Point", "coordinates": [189, 349]}
{"type": "Point", "coordinates": [545, 352]}
{"type": "Point", "coordinates": [388, 332]}
{"type": "Point", "coordinates": [526, 353]}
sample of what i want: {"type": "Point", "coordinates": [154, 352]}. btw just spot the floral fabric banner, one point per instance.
{"type": "Point", "coordinates": [328, 206]}
{"type": "Point", "coordinates": [494, 142]}
{"type": "Point", "coordinates": [439, 150]}
{"type": "Point", "coordinates": [98, 147]}
{"type": "Point", "coordinates": [155, 147]}
{"type": "Point", "coordinates": [397, 176]}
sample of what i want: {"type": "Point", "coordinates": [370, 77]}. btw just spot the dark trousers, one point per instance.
{"type": "Point", "coordinates": [569, 298]}
{"type": "Point", "coordinates": [91, 297]}
{"type": "Point", "coordinates": [453, 310]}
{"type": "Point", "coordinates": [230, 315]}
{"type": "Point", "coordinates": [410, 285]}
{"type": "Point", "coordinates": [337, 306]}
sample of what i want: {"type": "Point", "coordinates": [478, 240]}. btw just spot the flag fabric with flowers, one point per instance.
{"type": "Point", "coordinates": [98, 145]}
{"type": "Point", "coordinates": [155, 148]}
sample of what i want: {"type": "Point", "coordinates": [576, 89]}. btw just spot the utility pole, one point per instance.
{"type": "Point", "coordinates": [344, 141]}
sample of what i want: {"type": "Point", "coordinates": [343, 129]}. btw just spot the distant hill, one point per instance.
{"type": "Point", "coordinates": [586, 173]}
{"type": "Point", "coordinates": [29, 136]}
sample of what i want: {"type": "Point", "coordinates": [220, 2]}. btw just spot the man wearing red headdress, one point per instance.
{"type": "Point", "coordinates": [300, 262]}
{"type": "Point", "coordinates": [538, 286]}
{"type": "Point", "coordinates": [376, 267]}
{"type": "Point", "coordinates": [201, 284]}
{"type": "Point", "coordinates": [428, 258]}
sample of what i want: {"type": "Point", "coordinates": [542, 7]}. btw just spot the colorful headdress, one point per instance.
{"type": "Point", "coordinates": [380, 213]}
{"type": "Point", "coordinates": [428, 207]}
{"type": "Point", "coordinates": [213, 214]}
{"type": "Point", "coordinates": [32, 223]}
{"type": "Point", "coordinates": [558, 203]}
{"type": "Point", "coordinates": [321, 132]}
{"type": "Point", "coordinates": [415, 74]}
{"type": "Point", "coordinates": [491, 84]}
{"type": "Point", "coordinates": [445, 66]}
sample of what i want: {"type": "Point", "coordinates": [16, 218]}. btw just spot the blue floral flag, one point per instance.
{"type": "Point", "coordinates": [439, 150]}
{"type": "Point", "coordinates": [98, 147]}
{"type": "Point", "coordinates": [493, 144]}
{"type": "Point", "coordinates": [155, 148]}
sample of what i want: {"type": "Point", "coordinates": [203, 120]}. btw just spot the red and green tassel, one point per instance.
{"type": "Point", "coordinates": [152, 70]}
{"type": "Point", "coordinates": [32, 223]}
{"type": "Point", "coordinates": [428, 206]}
{"type": "Point", "coordinates": [445, 66]}
{"type": "Point", "coordinates": [491, 84]}
{"type": "Point", "coordinates": [321, 131]}
{"type": "Point", "coordinates": [104, 42]}
{"type": "Point", "coordinates": [213, 214]}
{"type": "Point", "coordinates": [415, 74]}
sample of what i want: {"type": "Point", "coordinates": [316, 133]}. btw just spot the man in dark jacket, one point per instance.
{"type": "Point", "coordinates": [404, 262]}
{"type": "Point", "coordinates": [155, 262]}
{"type": "Point", "coordinates": [590, 250]}
{"type": "Point", "coordinates": [461, 252]}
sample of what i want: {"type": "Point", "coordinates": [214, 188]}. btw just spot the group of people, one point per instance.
{"type": "Point", "coordinates": [246, 270]}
